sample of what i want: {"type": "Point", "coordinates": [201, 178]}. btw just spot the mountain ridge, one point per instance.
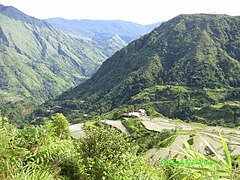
{"type": "Point", "coordinates": [89, 28]}
{"type": "Point", "coordinates": [16, 14]}
{"type": "Point", "coordinates": [112, 35]}
{"type": "Point", "coordinates": [39, 61]}
{"type": "Point", "coordinates": [198, 50]}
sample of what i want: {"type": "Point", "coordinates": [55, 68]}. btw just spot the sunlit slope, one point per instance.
{"type": "Point", "coordinates": [38, 61]}
{"type": "Point", "coordinates": [200, 51]}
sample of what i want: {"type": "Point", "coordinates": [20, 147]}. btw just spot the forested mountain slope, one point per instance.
{"type": "Point", "coordinates": [197, 51]}
{"type": "Point", "coordinates": [38, 61]}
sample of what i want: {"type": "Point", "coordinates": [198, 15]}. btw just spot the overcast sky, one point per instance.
{"type": "Point", "coordinates": [140, 11]}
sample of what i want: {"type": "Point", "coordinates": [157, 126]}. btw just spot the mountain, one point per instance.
{"type": "Point", "coordinates": [128, 31]}
{"type": "Point", "coordinates": [112, 35]}
{"type": "Point", "coordinates": [109, 43]}
{"type": "Point", "coordinates": [198, 51]}
{"type": "Point", "coordinates": [38, 61]}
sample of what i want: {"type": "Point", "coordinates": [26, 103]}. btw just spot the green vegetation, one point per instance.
{"type": "Point", "coordinates": [216, 167]}
{"type": "Point", "coordinates": [38, 61]}
{"type": "Point", "coordinates": [107, 153]}
{"type": "Point", "coordinates": [190, 141]}
{"type": "Point", "coordinates": [182, 69]}
{"type": "Point", "coordinates": [146, 139]}
{"type": "Point", "coordinates": [32, 152]}
{"type": "Point", "coordinates": [187, 69]}
{"type": "Point", "coordinates": [208, 106]}
{"type": "Point", "coordinates": [17, 111]}
{"type": "Point", "coordinates": [48, 152]}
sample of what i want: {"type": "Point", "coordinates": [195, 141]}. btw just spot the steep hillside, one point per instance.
{"type": "Point", "coordinates": [38, 61]}
{"type": "Point", "coordinates": [198, 51]}
{"type": "Point", "coordinates": [109, 43]}
{"type": "Point", "coordinates": [111, 35]}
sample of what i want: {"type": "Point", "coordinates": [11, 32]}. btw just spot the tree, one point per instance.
{"type": "Point", "coordinates": [107, 154]}
{"type": "Point", "coordinates": [61, 126]}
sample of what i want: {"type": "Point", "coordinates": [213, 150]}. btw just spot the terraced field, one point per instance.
{"type": "Point", "coordinates": [77, 130]}
{"type": "Point", "coordinates": [199, 131]}
{"type": "Point", "coordinates": [117, 124]}
{"type": "Point", "coordinates": [185, 131]}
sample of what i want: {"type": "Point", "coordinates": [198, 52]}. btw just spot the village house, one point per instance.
{"type": "Point", "coordinates": [137, 113]}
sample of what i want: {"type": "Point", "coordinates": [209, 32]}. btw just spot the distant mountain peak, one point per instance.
{"type": "Point", "coordinates": [128, 31]}
{"type": "Point", "coordinates": [16, 14]}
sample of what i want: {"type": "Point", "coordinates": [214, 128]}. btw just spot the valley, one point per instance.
{"type": "Point", "coordinates": [111, 35]}
{"type": "Point", "coordinates": [40, 61]}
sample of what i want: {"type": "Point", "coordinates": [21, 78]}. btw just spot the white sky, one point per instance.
{"type": "Point", "coordinates": [140, 11]}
